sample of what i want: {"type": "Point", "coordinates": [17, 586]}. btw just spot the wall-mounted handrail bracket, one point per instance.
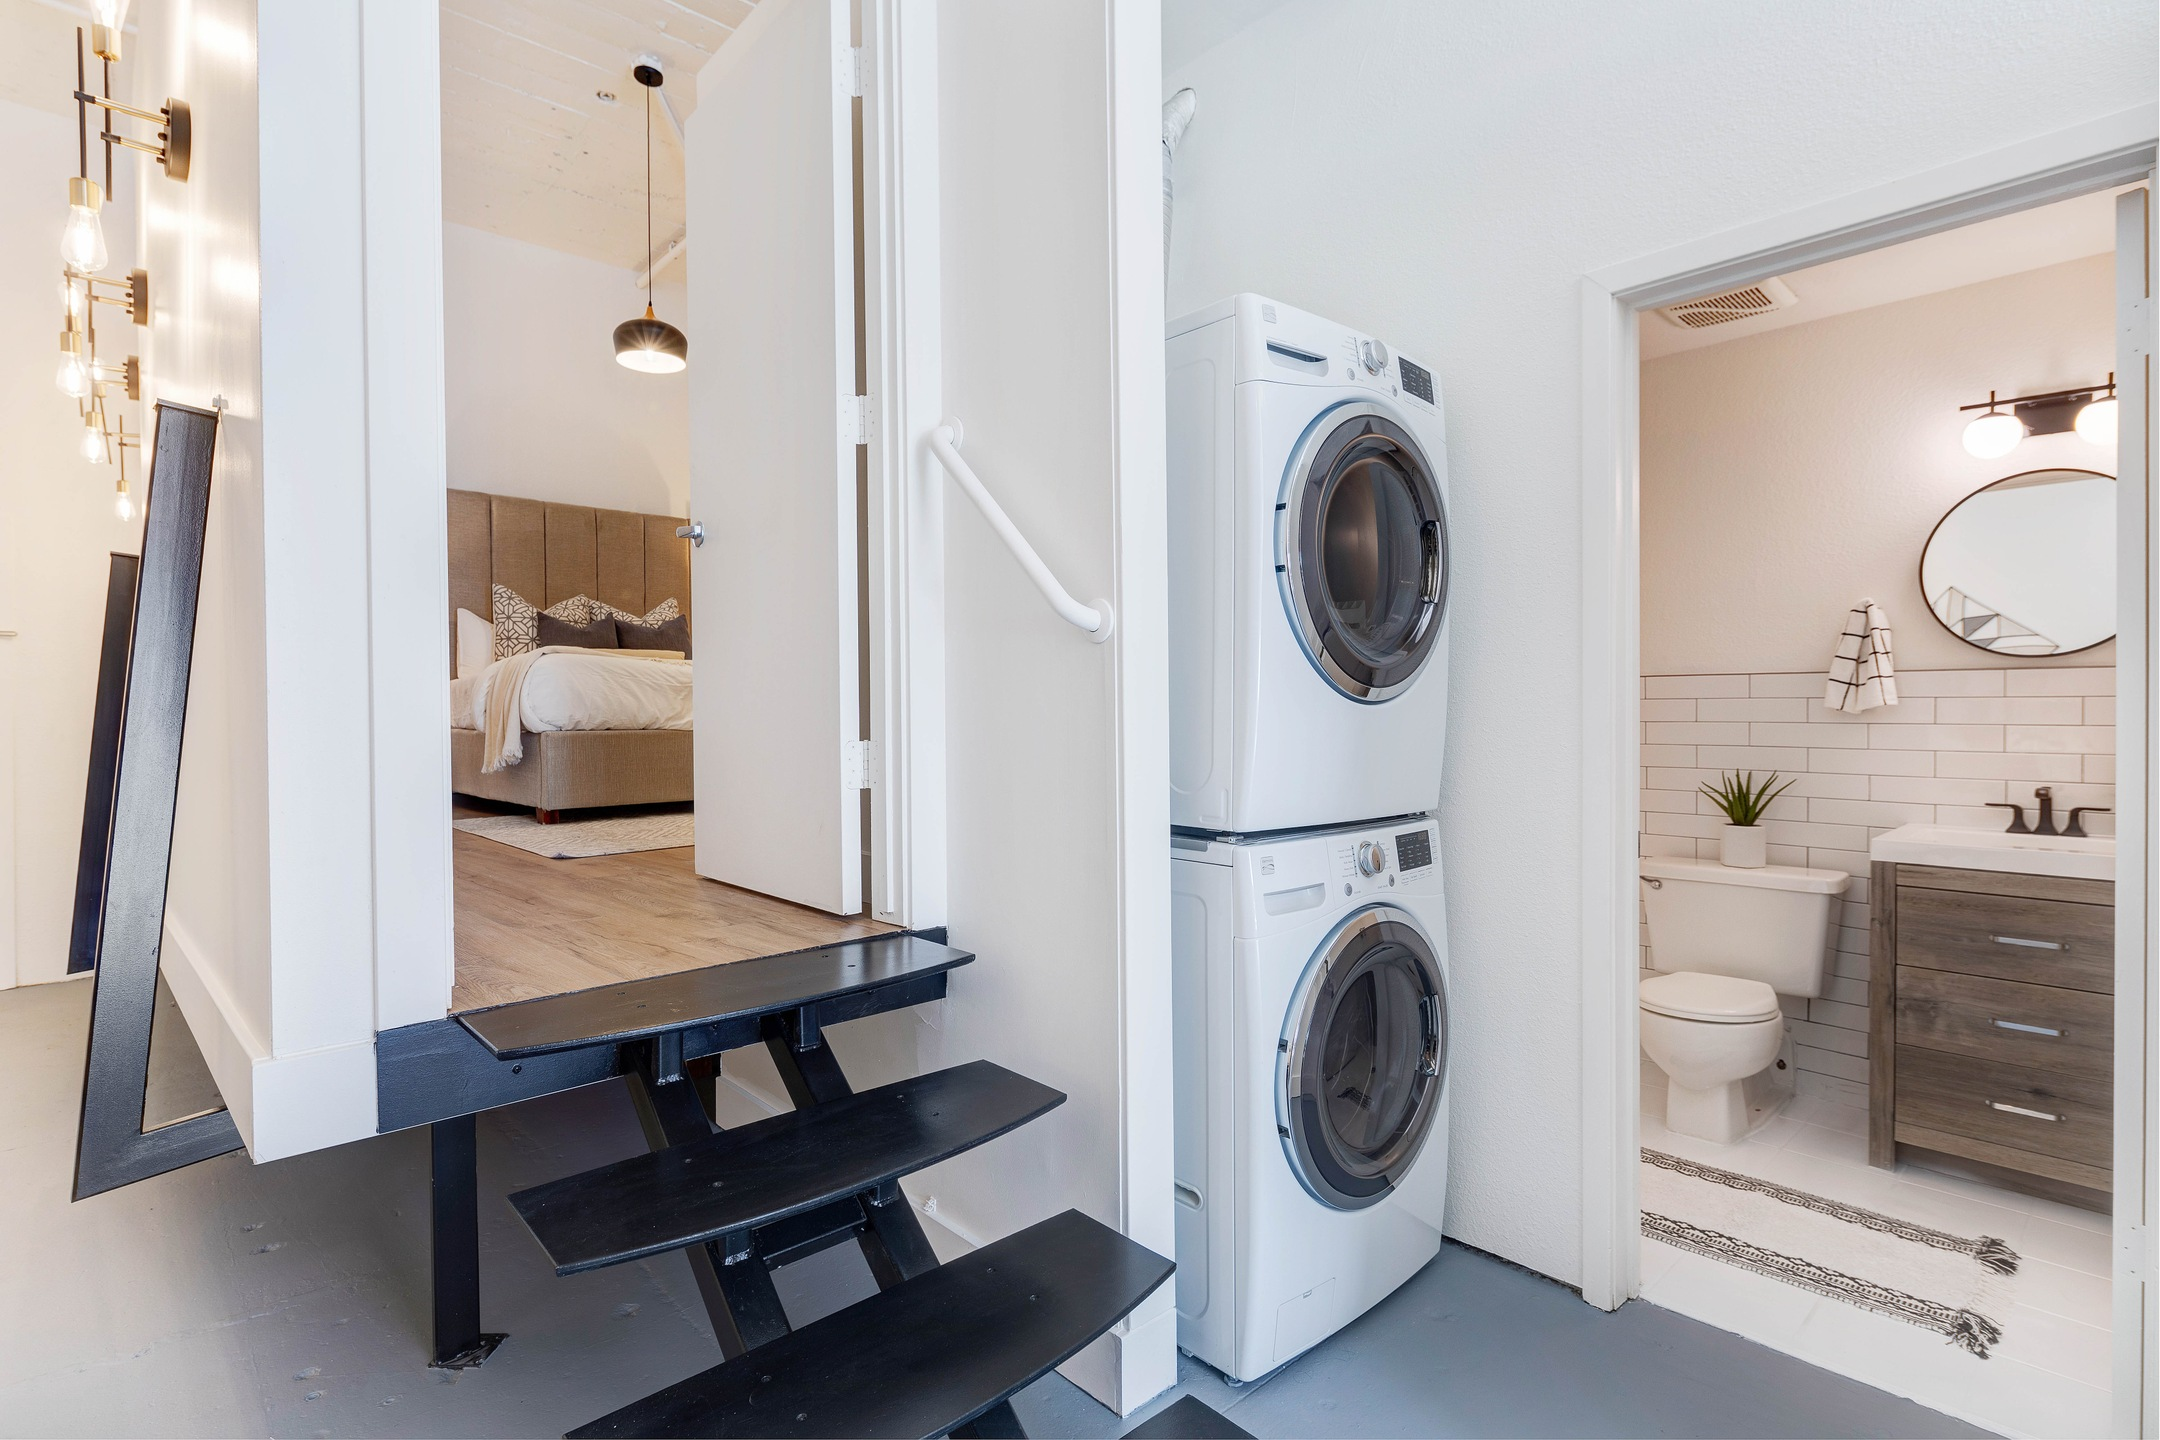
{"type": "Point", "coordinates": [1096, 621]}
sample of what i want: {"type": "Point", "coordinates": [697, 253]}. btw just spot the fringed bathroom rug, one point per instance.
{"type": "Point", "coordinates": [1954, 1285]}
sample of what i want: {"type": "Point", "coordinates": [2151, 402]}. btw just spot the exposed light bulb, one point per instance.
{"type": "Point", "coordinates": [107, 17]}
{"type": "Point", "coordinates": [123, 505]}
{"type": "Point", "coordinates": [1993, 435]}
{"type": "Point", "coordinates": [73, 376]}
{"type": "Point", "coordinates": [2096, 422]}
{"type": "Point", "coordinates": [72, 300]}
{"type": "Point", "coordinates": [82, 243]}
{"type": "Point", "coordinates": [93, 441]}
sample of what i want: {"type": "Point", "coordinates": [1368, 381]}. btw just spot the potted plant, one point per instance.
{"type": "Point", "coordinates": [1740, 839]}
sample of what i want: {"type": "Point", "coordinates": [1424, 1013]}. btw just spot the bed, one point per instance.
{"type": "Point", "coordinates": [613, 733]}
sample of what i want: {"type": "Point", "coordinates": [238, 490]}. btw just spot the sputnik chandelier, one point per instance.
{"type": "Point", "coordinates": [82, 376]}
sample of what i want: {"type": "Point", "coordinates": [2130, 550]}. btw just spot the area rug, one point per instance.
{"type": "Point", "coordinates": [1954, 1285]}
{"type": "Point", "coordinates": [581, 839]}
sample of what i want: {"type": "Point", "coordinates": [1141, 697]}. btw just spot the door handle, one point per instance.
{"type": "Point", "coordinates": [694, 532]}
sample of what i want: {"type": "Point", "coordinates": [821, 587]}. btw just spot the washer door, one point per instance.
{"type": "Point", "coordinates": [1362, 545]}
{"type": "Point", "coordinates": [1363, 1062]}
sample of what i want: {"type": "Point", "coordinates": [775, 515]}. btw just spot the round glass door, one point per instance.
{"type": "Point", "coordinates": [1364, 1059]}
{"type": "Point", "coordinates": [1362, 543]}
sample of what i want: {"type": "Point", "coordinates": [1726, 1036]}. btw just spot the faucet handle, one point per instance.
{"type": "Point", "coordinates": [2017, 816]}
{"type": "Point", "coordinates": [2072, 826]}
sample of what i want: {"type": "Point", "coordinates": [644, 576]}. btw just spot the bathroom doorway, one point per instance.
{"type": "Point", "coordinates": [1812, 1165]}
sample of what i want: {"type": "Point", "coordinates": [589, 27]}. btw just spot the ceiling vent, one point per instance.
{"type": "Point", "coordinates": [1760, 298]}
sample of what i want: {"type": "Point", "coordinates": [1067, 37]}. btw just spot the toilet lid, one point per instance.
{"type": "Point", "coordinates": [1720, 999]}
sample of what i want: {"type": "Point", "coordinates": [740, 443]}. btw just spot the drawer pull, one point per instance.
{"type": "Point", "coordinates": [2021, 1110]}
{"type": "Point", "coordinates": [2027, 1029]}
{"type": "Point", "coordinates": [2029, 944]}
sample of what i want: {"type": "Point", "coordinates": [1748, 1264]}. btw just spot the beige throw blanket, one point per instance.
{"type": "Point", "coordinates": [502, 744]}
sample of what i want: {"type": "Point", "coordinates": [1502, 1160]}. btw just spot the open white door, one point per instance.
{"type": "Point", "coordinates": [772, 475]}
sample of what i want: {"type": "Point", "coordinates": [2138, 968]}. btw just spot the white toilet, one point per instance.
{"type": "Point", "coordinates": [1728, 942]}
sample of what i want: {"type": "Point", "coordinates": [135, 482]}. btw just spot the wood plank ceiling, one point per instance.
{"type": "Point", "coordinates": [532, 150]}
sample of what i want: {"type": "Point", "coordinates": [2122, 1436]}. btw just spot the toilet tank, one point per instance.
{"type": "Point", "coordinates": [1770, 924]}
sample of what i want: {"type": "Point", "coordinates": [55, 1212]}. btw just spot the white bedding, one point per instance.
{"type": "Point", "coordinates": [586, 692]}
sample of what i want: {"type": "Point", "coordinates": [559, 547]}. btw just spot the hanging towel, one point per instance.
{"type": "Point", "coordinates": [1861, 675]}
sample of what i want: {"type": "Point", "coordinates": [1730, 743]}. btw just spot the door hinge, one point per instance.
{"type": "Point", "coordinates": [858, 421]}
{"type": "Point", "coordinates": [858, 764]}
{"type": "Point", "coordinates": [851, 71]}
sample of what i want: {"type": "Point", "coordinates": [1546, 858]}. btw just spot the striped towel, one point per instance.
{"type": "Point", "coordinates": [1861, 675]}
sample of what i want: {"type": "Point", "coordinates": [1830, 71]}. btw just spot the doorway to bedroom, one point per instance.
{"type": "Point", "coordinates": [663, 610]}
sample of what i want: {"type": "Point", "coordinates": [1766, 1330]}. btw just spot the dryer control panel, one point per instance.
{"type": "Point", "coordinates": [1375, 862]}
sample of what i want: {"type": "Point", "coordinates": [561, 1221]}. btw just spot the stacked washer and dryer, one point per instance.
{"type": "Point", "coordinates": [1308, 712]}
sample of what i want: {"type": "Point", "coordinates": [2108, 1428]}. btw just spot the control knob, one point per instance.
{"type": "Point", "coordinates": [1375, 355]}
{"type": "Point", "coordinates": [1371, 857]}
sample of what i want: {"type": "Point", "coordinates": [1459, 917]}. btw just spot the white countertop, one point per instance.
{"type": "Point", "coordinates": [2071, 857]}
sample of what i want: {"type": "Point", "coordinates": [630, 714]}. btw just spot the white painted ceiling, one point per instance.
{"type": "Point", "coordinates": [530, 150]}
{"type": "Point", "coordinates": [2029, 240]}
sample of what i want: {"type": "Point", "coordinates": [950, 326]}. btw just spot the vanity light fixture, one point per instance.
{"type": "Point", "coordinates": [649, 344]}
{"type": "Point", "coordinates": [2003, 424]}
{"type": "Point", "coordinates": [175, 123]}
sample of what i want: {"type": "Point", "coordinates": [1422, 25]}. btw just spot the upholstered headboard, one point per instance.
{"type": "Point", "coordinates": [549, 553]}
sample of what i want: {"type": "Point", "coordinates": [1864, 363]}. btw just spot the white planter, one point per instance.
{"type": "Point", "coordinates": [1741, 846]}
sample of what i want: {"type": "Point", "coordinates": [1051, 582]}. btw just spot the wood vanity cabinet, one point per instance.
{"type": "Point", "coordinates": [1991, 1018]}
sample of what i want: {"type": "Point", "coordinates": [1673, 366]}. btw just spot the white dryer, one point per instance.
{"type": "Point", "coordinates": [1308, 534]}
{"type": "Point", "coordinates": [1311, 1051]}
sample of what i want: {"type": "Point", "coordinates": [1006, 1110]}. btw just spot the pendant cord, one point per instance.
{"type": "Point", "coordinates": [648, 202]}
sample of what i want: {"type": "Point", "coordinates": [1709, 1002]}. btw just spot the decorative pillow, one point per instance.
{"type": "Point", "coordinates": [660, 614]}
{"type": "Point", "coordinates": [599, 635]}
{"type": "Point", "coordinates": [517, 620]}
{"type": "Point", "coordinates": [672, 633]}
{"type": "Point", "coordinates": [475, 644]}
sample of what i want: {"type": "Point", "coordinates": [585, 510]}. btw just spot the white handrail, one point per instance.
{"type": "Point", "coordinates": [1095, 621]}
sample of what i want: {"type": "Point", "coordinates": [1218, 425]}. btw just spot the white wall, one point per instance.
{"type": "Point", "coordinates": [538, 407]}
{"type": "Point", "coordinates": [1787, 475]}
{"type": "Point", "coordinates": [1444, 176]}
{"type": "Point", "coordinates": [56, 527]}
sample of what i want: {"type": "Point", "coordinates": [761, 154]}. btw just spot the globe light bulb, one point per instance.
{"type": "Point", "coordinates": [2097, 421]}
{"type": "Point", "coordinates": [1993, 435]}
{"type": "Point", "coordinates": [93, 442]}
{"type": "Point", "coordinates": [82, 243]}
{"type": "Point", "coordinates": [123, 506]}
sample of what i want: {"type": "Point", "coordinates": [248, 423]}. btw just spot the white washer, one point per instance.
{"type": "Point", "coordinates": [1311, 1043]}
{"type": "Point", "coordinates": [1308, 573]}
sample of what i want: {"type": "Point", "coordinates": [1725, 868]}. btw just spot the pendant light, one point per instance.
{"type": "Point", "coordinates": [648, 343]}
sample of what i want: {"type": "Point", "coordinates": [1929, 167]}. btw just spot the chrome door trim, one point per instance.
{"type": "Point", "coordinates": [1290, 560]}
{"type": "Point", "coordinates": [1294, 1045]}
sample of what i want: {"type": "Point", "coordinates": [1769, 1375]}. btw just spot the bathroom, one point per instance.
{"type": "Point", "coordinates": [1818, 1175]}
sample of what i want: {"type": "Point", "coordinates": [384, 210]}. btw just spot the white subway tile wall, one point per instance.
{"type": "Point", "coordinates": [1959, 740]}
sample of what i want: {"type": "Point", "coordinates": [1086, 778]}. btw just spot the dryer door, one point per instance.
{"type": "Point", "coordinates": [1363, 1064]}
{"type": "Point", "coordinates": [1361, 545]}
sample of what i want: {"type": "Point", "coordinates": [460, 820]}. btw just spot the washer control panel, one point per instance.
{"type": "Point", "coordinates": [1376, 862]}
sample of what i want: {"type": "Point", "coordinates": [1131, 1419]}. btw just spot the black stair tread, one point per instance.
{"type": "Point", "coordinates": [738, 989]}
{"type": "Point", "coordinates": [925, 1357]}
{"type": "Point", "coordinates": [1188, 1418]}
{"type": "Point", "coordinates": [774, 1168]}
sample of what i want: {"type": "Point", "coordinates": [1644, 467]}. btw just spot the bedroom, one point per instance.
{"type": "Point", "coordinates": [569, 465]}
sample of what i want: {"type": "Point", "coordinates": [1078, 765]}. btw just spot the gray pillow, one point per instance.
{"type": "Point", "coordinates": [672, 634]}
{"type": "Point", "coordinates": [599, 635]}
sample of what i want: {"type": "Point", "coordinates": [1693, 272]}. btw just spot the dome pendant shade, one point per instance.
{"type": "Point", "coordinates": [651, 345]}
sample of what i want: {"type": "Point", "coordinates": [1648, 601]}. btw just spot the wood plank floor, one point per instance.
{"type": "Point", "coordinates": [527, 926]}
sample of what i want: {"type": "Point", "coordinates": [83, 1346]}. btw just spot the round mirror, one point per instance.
{"type": "Point", "coordinates": [2027, 565]}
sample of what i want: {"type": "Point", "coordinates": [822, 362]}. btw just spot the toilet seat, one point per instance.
{"type": "Point", "coordinates": [1711, 999]}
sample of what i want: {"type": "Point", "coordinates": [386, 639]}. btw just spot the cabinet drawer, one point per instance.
{"type": "Point", "coordinates": [2008, 937]}
{"type": "Point", "coordinates": [2012, 1106]}
{"type": "Point", "coordinates": [2042, 1027]}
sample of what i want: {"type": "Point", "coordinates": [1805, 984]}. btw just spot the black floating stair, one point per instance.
{"type": "Point", "coordinates": [825, 986]}
{"type": "Point", "coordinates": [794, 1164]}
{"type": "Point", "coordinates": [924, 1357]}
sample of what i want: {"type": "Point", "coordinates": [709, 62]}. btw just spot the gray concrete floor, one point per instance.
{"type": "Point", "coordinates": [291, 1299]}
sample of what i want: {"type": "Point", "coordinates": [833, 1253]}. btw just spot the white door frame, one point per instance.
{"type": "Point", "coordinates": [2115, 150]}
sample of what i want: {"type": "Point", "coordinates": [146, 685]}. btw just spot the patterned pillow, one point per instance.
{"type": "Point", "coordinates": [517, 621]}
{"type": "Point", "coordinates": [660, 614]}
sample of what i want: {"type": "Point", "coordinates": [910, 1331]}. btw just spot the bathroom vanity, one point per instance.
{"type": "Point", "coordinates": [1991, 1007]}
